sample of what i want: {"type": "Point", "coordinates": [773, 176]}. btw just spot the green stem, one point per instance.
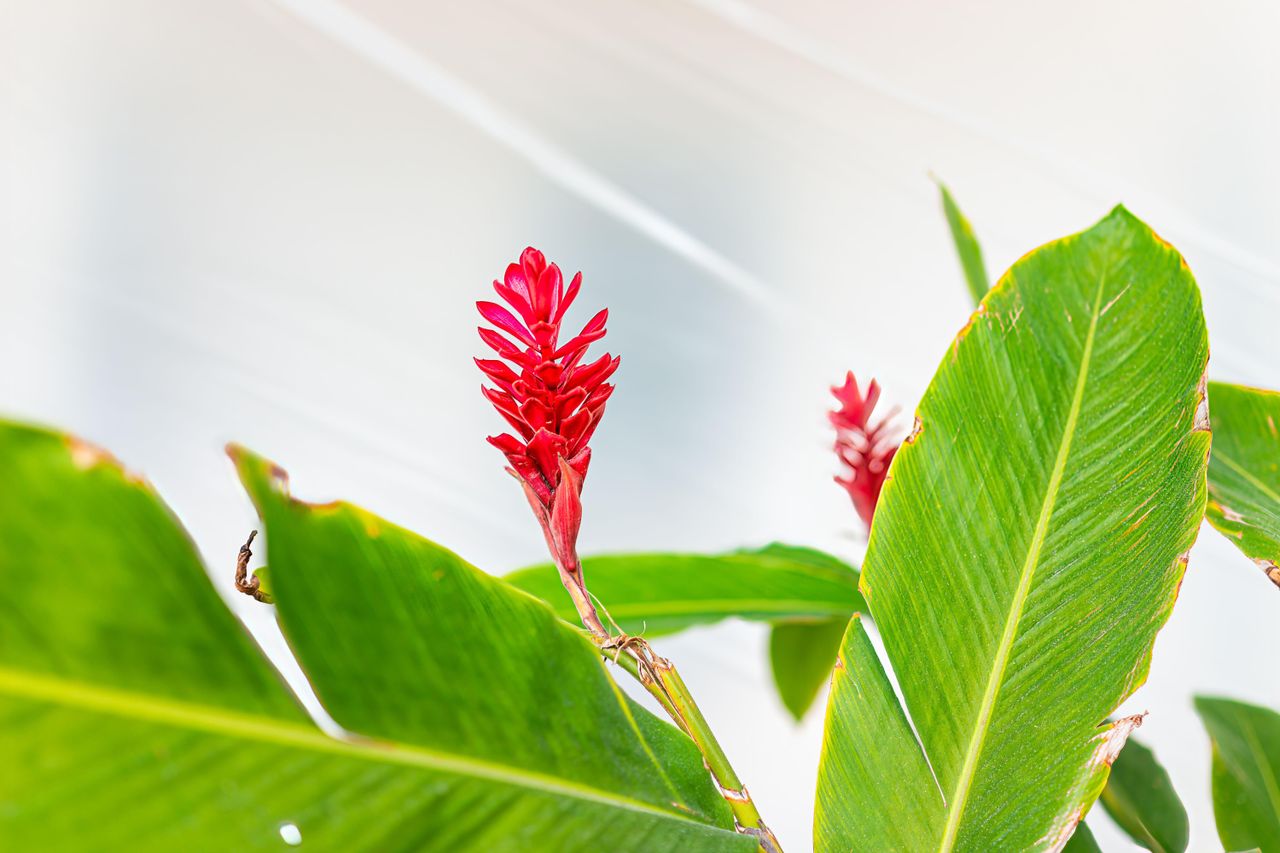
{"type": "Point", "coordinates": [661, 679]}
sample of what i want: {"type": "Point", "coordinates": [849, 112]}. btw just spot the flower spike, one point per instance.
{"type": "Point", "coordinates": [551, 398]}
{"type": "Point", "coordinates": [865, 449]}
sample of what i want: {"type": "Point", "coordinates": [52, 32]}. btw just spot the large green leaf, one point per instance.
{"type": "Point", "coordinates": [1244, 472]}
{"type": "Point", "coordinates": [1140, 798]}
{"type": "Point", "coordinates": [404, 641]}
{"type": "Point", "coordinates": [967, 247]}
{"type": "Point", "coordinates": [1029, 544]}
{"type": "Point", "coordinates": [1246, 772]}
{"type": "Point", "coordinates": [137, 714]}
{"type": "Point", "coordinates": [806, 594]}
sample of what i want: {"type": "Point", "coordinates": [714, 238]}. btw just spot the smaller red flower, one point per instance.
{"type": "Point", "coordinates": [865, 449]}
{"type": "Point", "coordinates": [553, 399]}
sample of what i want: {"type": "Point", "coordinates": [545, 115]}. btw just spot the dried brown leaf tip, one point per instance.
{"type": "Point", "coordinates": [87, 456]}
{"type": "Point", "coordinates": [250, 586]}
{"type": "Point", "coordinates": [1113, 739]}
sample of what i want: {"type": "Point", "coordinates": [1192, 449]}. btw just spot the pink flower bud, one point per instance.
{"type": "Point", "coordinates": [864, 449]}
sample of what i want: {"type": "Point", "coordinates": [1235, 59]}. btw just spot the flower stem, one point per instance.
{"type": "Point", "coordinates": [571, 578]}
{"type": "Point", "coordinates": [661, 679]}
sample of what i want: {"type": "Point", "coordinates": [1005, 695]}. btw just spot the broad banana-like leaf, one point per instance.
{"type": "Point", "coordinates": [968, 248]}
{"type": "Point", "coordinates": [403, 641]}
{"type": "Point", "coordinates": [1244, 472]}
{"type": "Point", "coordinates": [1140, 798]}
{"type": "Point", "coordinates": [137, 714]}
{"type": "Point", "coordinates": [1246, 772]}
{"type": "Point", "coordinates": [1027, 547]}
{"type": "Point", "coordinates": [806, 594]}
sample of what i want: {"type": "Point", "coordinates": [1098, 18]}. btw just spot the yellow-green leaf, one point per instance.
{"type": "Point", "coordinates": [967, 247]}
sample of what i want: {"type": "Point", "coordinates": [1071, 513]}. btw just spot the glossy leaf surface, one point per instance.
{"type": "Point", "coordinates": [404, 641]}
{"type": "Point", "coordinates": [1030, 542]}
{"type": "Point", "coordinates": [136, 713]}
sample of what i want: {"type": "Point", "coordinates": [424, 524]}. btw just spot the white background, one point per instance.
{"type": "Point", "coordinates": [267, 221]}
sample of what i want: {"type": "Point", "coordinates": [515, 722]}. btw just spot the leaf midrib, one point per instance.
{"type": "Point", "coordinates": [221, 721]}
{"type": "Point", "coordinates": [995, 679]}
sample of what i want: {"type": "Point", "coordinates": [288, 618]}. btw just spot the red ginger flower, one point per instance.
{"type": "Point", "coordinates": [866, 449]}
{"type": "Point", "coordinates": [551, 398]}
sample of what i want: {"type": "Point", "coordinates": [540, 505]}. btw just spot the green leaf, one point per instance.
{"type": "Point", "coordinates": [967, 246]}
{"type": "Point", "coordinates": [1140, 798]}
{"type": "Point", "coordinates": [136, 713]}
{"type": "Point", "coordinates": [801, 655]}
{"type": "Point", "coordinates": [404, 641]}
{"type": "Point", "coordinates": [806, 594]}
{"type": "Point", "coordinates": [1244, 472]}
{"type": "Point", "coordinates": [1246, 772]}
{"type": "Point", "coordinates": [1029, 543]}
{"type": "Point", "coordinates": [1082, 841]}
{"type": "Point", "coordinates": [664, 593]}
{"type": "Point", "coordinates": [875, 788]}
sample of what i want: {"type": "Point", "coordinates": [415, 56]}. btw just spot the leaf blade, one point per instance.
{"type": "Point", "coordinates": [801, 655]}
{"type": "Point", "coordinates": [1009, 544]}
{"type": "Point", "coordinates": [1246, 772]}
{"type": "Point", "coordinates": [136, 713]}
{"type": "Point", "coordinates": [968, 249]}
{"type": "Point", "coordinates": [657, 593]}
{"type": "Point", "coordinates": [1140, 798]}
{"type": "Point", "coordinates": [453, 635]}
{"type": "Point", "coordinates": [1244, 472]}
{"type": "Point", "coordinates": [805, 594]}
{"type": "Point", "coordinates": [867, 731]}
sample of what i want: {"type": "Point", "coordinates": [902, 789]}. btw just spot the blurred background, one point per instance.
{"type": "Point", "coordinates": [268, 221]}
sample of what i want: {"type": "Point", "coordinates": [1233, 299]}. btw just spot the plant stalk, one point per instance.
{"type": "Point", "coordinates": [661, 679]}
